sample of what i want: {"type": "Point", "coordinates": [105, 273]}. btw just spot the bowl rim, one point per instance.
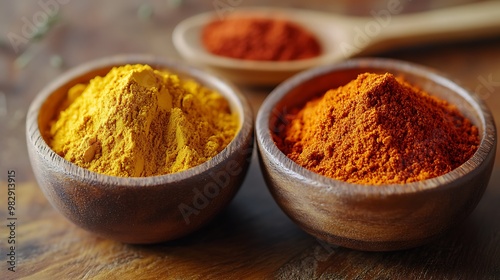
{"type": "Point", "coordinates": [486, 146]}
{"type": "Point", "coordinates": [231, 93]}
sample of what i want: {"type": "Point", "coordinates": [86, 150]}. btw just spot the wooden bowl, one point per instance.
{"type": "Point", "coordinates": [364, 217]}
{"type": "Point", "coordinates": [146, 209]}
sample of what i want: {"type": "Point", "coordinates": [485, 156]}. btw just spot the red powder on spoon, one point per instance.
{"type": "Point", "coordinates": [254, 38]}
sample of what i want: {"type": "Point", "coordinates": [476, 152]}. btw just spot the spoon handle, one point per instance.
{"type": "Point", "coordinates": [460, 22]}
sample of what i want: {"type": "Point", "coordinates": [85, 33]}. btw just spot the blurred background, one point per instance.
{"type": "Point", "coordinates": [65, 33]}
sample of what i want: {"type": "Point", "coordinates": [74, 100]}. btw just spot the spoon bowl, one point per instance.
{"type": "Point", "coordinates": [373, 217]}
{"type": "Point", "coordinates": [140, 209]}
{"type": "Point", "coordinates": [187, 40]}
{"type": "Point", "coordinates": [340, 36]}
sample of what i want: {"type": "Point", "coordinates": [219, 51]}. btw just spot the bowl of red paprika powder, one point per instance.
{"type": "Point", "coordinates": [375, 154]}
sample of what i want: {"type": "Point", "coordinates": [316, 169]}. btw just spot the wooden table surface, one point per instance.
{"type": "Point", "coordinates": [252, 239]}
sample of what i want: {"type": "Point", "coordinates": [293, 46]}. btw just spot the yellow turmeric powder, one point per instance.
{"type": "Point", "coordinates": [137, 122]}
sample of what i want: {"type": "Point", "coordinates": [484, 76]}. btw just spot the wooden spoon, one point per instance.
{"type": "Point", "coordinates": [341, 36]}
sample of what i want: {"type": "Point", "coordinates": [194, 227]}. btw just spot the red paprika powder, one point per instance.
{"type": "Point", "coordinates": [256, 38]}
{"type": "Point", "coordinates": [377, 130]}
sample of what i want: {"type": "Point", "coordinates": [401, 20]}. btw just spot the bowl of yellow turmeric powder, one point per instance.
{"type": "Point", "coordinates": [375, 154]}
{"type": "Point", "coordinates": [138, 148]}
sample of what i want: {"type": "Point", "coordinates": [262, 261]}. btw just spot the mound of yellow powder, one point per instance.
{"type": "Point", "coordinates": [140, 122]}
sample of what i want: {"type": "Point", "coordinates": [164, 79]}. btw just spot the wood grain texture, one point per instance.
{"type": "Point", "coordinates": [252, 238]}
{"type": "Point", "coordinates": [247, 241]}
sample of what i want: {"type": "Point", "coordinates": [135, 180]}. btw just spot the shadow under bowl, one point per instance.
{"type": "Point", "coordinates": [140, 209]}
{"type": "Point", "coordinates": [367, 217]}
